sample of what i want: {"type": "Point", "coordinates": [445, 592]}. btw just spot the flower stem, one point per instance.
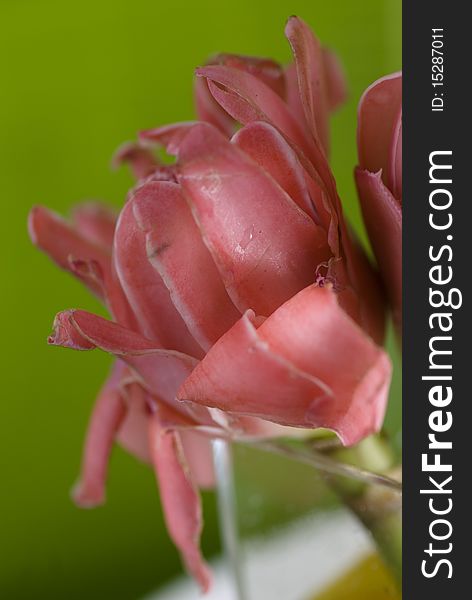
{"type": "Point", "coordinates": [365, 479]}
{"type": "Point", "coordinates": [223, 462]}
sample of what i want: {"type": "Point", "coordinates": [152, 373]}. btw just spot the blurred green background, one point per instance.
{"type": "Point", "coordinates": [77, 79]}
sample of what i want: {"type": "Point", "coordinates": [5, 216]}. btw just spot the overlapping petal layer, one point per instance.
{"type": "Point", "coordinates": [308, 365]}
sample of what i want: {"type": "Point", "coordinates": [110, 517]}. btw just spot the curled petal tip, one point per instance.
{"type": "Point", "coordinates": [65, 334]}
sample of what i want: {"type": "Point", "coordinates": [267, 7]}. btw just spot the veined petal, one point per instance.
{"type": "Point", "coordinates": [180, 499]}
{"type": "Point", "coordinates": [383, 218]}
{"type": "Point", "coordinates": [144, 287]}
{"type": "Point", "coordinates": [379, 122]}
{"type": "Point", "coordinates": [307, 365]}
{"type": "Point", "coordinates": [176, 250]}
{"type": "Point", "coordinates": [265, 247]}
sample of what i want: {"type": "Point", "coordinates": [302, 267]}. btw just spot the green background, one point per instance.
{"type": "Point", "coordinates": [77, 79]}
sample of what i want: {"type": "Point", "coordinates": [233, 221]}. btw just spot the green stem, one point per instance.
{"type": "Point", "coordinates": [365, 478]}
{"type": "Point", "coordinates": [378, 507]}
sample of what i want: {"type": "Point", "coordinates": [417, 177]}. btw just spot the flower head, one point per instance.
{"type": "Point", "coordinates": [241, 306]}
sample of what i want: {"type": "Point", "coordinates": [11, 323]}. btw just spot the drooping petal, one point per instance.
{"type": "Point", "coordinates": [379, 121]}
{"type": "Point", "coordinates": [159, 371]}
{"type": "Point", "coordinates": [144, 287]}
{"type": "Point", "coordinates": [141, 161]}
{"type": "Point", "coordinates": [383, 219]}
{"type": "Point", "coordinates": [198, 452]}
{"type": "Point", "coordinates": [309, 61]}
{"type": "Point", "coordinates": [75, 252]}
{"type": "Point", "coordinates": [61, 242]}
{"type": "Point", "coordinates": [96, 222]}
{"type": "Point", "coordinates": [176, 250]}
{"type": "Point", "coordinates": [180, 499]}
{"type": "Point", "coordinates": [132, 435]}
{"type": "Point", "coordinates": [265, 247]}
{"type": "Point", "coordinates": [108, 414]}
{"type": "Point", "coordinates": [269, 149]}
{"type": "Point", "coordinates": [307, 365]}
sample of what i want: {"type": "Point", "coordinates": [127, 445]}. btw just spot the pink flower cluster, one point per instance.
{"type": "Point", "coordinates": [241, 305]}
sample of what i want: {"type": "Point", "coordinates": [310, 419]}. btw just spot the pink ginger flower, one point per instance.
{"type": "Point", "coordinates": [241, 306]}
{"type": "Point", "coordinates": [379, 180]}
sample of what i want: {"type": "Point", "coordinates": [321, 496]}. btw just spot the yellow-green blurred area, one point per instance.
{"type": "Point", "coordinates": [77, 79]}
{"type": "Point", "coordinates": [367, 580]}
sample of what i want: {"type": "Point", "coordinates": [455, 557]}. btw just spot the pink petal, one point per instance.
{"type": "Point", "coordinates": [144, 287]}
{"type": "Point", "coordinates": [383, 219]}
{"type": "Point", "coordinates": [308, 365]}
{"type": "Point", "coordinates": [293, 93]}
{"type": "Point", "coordinates": [61, 242]}
{"type": "Point", "coordinates": [197, 449]}
{"type": "Point", "coordinates": [336, 88]}
{"type": "Point", "coordinates": [133, 432]}
{"type": "Point", "coordinates": [265, 247]}
{"type": "Point", "coordinates": [176, 250]}
{"type": "Point", "coordinates": [159, 371]}
{"type": "Point", "coordinates": [269, 149]}
{"type": "Point", "coordinates": [265, 69]}
{"type": "Point", "coordinates": [180, 499]}
{"type": "Point", "coordinates": [396, 172]}
{"type": "Point", "coordinates": [168, 136]}
{"type": "Point", "coordinates": [107, 416]}
{"type": "Point", "coordinates": [90, 273]}
{"type": "Point", "coordinates": [141, 161]}
{"type": "Point", "coordinates": [248, 99]}
{"type": "Point", "coordinates": [311, 78]}
{"type": "Point", "coordinates": [379, 119]}
{"type": "Point", "coordinates": [209, 110]}
{"type": "Point", "coordinates": [96, 222]}
{"type": "Point", "coordinates": [365, 284]}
